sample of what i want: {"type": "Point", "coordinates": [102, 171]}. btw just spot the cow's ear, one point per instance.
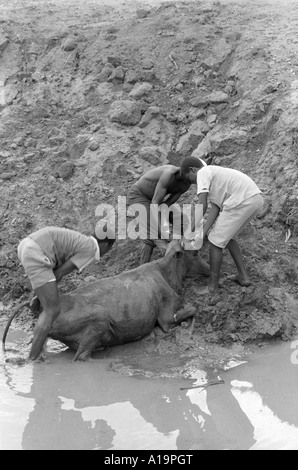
{"type": "Point", "coordinates": [178, 254]}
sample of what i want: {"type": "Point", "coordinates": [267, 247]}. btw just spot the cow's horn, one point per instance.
{"type": "Point", "coordinates": [173, 247]}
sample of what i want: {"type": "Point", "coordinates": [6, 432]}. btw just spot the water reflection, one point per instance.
{"type": "Point", "coordinates": [66, 405]}
{"type": "Point", "coordinates": [269, 431]}
{"type": "Point", "coordinates": [87, 407]}
{"type": "Point", "coordinates": [128, 425]}
{"type": "Point", "coordinates": [224, 424]}
{"type": "Point", "coordinates": [15, 409]}
{"type": "Point", "coordinates": [97, 409]}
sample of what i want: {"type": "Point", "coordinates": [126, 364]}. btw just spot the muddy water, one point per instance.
{"type": "Point", "coordinates": [126, 398]}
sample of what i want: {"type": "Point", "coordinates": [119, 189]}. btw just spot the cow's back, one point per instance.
{"type": "Point", "coordinates": [127, 304]}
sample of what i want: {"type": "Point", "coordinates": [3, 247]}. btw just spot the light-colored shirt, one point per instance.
{"type": "Point", "coordinates": [227, 187]}
{"type": "Point", "coordinates": [61, 245]}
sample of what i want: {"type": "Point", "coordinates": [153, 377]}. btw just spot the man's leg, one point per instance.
{"type": "Point", "coordinates": [227, 226]}
{"type": "Point", "coordinates": [242, 277]}
{"type": "Point", "coordinates": [163, 226]}
{"type": "Point", "coordinates": [148, 244]}
{"type": "Point", "coordinates": [135, 196]}
{"type": "Point", "coordinates": [146, 251]}
{"type": "Point", "coordinates": [215, 255]}
{"type": "Point", "coordinates": [49, 298]}
{"type": "Point", "coordinates": [198, 266]}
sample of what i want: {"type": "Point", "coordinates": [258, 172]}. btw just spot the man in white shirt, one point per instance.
{"type": "Point", "coordinates": [235, 199]}
{"type": "Point", "coordinates": [48, 255]}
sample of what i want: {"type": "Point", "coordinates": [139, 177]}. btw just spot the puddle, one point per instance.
{"type": "Point", "coordinates": [127, 398]}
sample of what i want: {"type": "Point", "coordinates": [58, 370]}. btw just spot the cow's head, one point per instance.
{"type": "Point", "coordinates": [180, 263]}
{"type": "Point", "coordinates": [174, 248]}
{"type": "Point", "coordinates": [173, 265]}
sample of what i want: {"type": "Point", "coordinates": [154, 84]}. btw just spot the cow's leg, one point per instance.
{"type": "Point", "coordinates": [82, 354]}
{"type": "Point", "coordinates": [198, 266]}
{"type": "Point", "coordinates": [146, 251]}
{"type": "Point", "coordinates": [85, 349]}
{"type": "Point", "coordinates": [170, 304]}
{"type": "Point", "coordinates": [93, 339]}
{"type": "Point", "coordinates": [204, 267]}
{"type": "Point", "coordinates": [184, 313]}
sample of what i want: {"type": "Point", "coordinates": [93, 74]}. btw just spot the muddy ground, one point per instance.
{"type": "Point", "coordinates": [92, 94]}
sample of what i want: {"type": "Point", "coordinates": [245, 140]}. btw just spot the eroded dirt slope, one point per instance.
{"type": "Point", "coordinates": [92, 94]}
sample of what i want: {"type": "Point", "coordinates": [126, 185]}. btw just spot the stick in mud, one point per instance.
{"type": "Point", "coordinates": [208, 384]}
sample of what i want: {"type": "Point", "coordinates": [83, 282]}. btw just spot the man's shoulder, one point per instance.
{"type": "Point", "coordinates": [43, 231]}
{"type": "Point", "coordinates": [61, 230]}
{"type": "Point", "coordinates": [206, 170]}
{"type": "Point", "coordinates": [168, 172]}
{"type": "Point", "coordinates": [216, 170]}
{"type": "Point", "coordinates": [169, 169]}
{"type": "Point", "coordinates": [63, 233]}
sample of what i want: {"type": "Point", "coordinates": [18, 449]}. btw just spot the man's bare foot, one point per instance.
{"type": "Point", "coordinates": [201, 291]}
{"type": "Point", "coordinates": [210, 295]}
{"type": "Point", "coordinates": [212, 299]}
{"type": "Point", "coordinates": [243, 282]}
{"type": "Point", "coordinates": [41, 359]}
{"type": "Point", "coordinates": [206, 289]}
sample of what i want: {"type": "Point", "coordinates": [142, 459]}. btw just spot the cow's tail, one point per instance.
{"type": "Point", "coordinates": [13, 315]}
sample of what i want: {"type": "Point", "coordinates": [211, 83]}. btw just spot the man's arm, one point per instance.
{"type": "Point", "coordinates": [63, 270]}
{"type": "Point", "coordinates": [49, 298]}
{"type": "Point", "coordinates": [202, 199]}
{"type": "Point", "coordinates": [173, 198]}
{"type": "Point", "coordinates": [212, 216]}
{"type": "Point", "coordinates": [161, 190]}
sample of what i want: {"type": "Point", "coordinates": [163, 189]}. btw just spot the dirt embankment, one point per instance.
{"type": "Point", "coordinates": [92, 95]}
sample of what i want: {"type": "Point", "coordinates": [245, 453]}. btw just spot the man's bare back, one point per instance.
{"type": "Point", "coordinates": [163, 181]}
{"type": "Point", "coordinates": [163, 184]}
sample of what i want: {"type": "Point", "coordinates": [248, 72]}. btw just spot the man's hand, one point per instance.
{"type": "Point", "coordinates": [41, 359]}
{"type": "Point", "coordinates": [63, 270]}
{"type": "Point", "coordinates": [58, 274]}
{"type": "Point", "coordinates": [194, 243]}
{"type": "Point", "coordinates": [165, 232]}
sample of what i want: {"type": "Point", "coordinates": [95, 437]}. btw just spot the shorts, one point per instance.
{"type": "Point", "coordinates": [135, 196]}
{"type": "Point", "coordinates": [38, 267]}
{"type": "Point", "coordinates": [231, 222]}
{"type": "Point", "coordinates": [146, 227]}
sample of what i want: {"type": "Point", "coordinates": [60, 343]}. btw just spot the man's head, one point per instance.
{"type": "Point", "coordinates": [189, 168]}
{"type": "Point", "coordinates": [105, 237]}
{"type": "Point", "coordinates": [105, 245]}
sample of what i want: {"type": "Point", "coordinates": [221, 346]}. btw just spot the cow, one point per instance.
{"type": "Point", "coordinates": [127, 307]}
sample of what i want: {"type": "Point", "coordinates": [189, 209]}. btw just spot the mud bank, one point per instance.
{"type": "Point", "coordinates": [212, 79]}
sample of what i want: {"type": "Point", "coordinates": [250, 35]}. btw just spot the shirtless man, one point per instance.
{"type": "Point", "coordinates": [159, 185]}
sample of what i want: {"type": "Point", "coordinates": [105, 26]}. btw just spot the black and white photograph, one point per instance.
{"type": "Point", "coordinates": [138, 316]}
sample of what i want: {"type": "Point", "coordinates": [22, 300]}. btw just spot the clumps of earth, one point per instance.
{"type": "Point", "coordinates": [93, 95]}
